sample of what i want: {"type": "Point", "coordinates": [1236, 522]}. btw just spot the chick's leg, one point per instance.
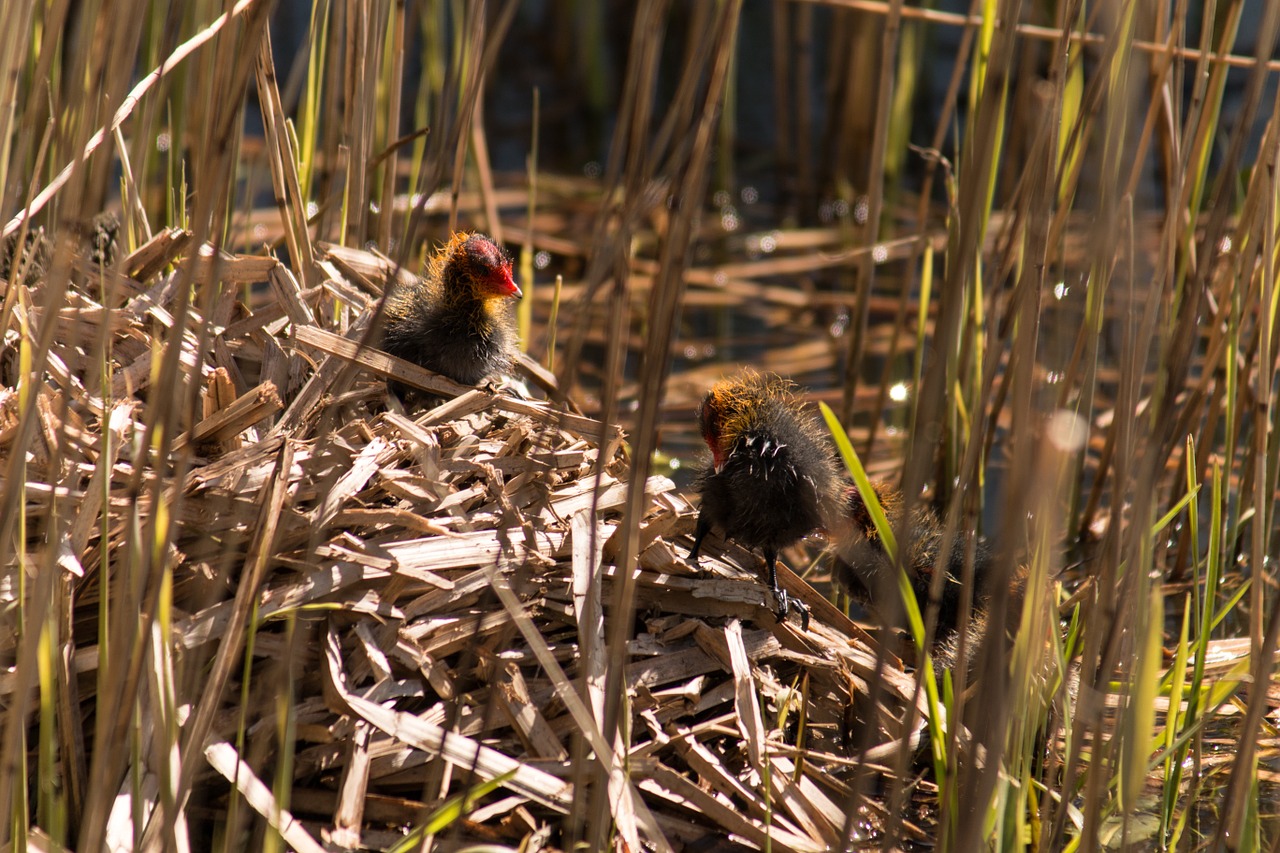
{"type": "Point", "coordinates": [704, 527]}
{"type": "Point", "coordinates": [785, 602]}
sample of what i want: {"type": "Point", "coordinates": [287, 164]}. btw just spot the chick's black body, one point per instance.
{"type": "Point", "coordinates": [456, 321]}
{"type": "Point", "coordinates": [772, 480]}
{"type": "Point", "coordinates": [452, 343]}
{"type": "Point", "coordinates": [761, 495]}
{"type": "Point", "coordinates": [863, 567]}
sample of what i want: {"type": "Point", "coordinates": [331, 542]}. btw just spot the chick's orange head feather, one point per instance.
{"type": "Point", "coordinates": [733, 405]}
{"type": "Point", "coordinates": [475, 260]}
{"type": "Point", "coordinates": [890, 501]}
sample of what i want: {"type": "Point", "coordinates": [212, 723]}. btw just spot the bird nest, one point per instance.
{"type": "Point", "coordinates": [377, 611]}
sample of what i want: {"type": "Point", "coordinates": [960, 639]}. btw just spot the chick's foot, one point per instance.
{"type": "Point", "coordinates": [788, 602]}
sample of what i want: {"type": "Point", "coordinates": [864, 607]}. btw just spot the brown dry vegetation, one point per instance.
{"type": "Point", "coordinates": [247, 600]}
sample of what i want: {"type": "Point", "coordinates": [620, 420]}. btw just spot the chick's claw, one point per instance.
{"type": "Point", "coordinates": [786, 603]}
{"type": "Point", "coordinates": [804, 614]}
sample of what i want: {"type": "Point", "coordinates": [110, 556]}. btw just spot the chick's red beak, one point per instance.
{"type": "Point", "coordinates": [717, 457]}
{"type": "Point", "coordinates": [503, 284]}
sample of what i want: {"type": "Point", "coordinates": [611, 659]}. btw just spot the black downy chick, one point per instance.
{"type": "Point", "coordinates": [772, 479]}
{"type": "Point", "coordinates": [457, 320]}
{"type": "Point", "coordinates": [862, 566]}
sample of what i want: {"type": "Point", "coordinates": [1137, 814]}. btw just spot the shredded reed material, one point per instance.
{"type": "Point", "coordinates": [424, 593]}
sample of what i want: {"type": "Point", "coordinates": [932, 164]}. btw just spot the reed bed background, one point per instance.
{"type": "Point", "coordinates": [1027, 255]}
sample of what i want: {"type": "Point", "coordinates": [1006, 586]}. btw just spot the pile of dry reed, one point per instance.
{"type": "Point", "coordinates": [377, 610]}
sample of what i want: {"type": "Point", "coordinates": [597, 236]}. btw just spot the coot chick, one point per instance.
{"type": "Point", "coordinates": [772, 478]}
{"type": "Point", "coordinates": [863, 567]}
{"type": "Point", "coordinates": [457, 320]}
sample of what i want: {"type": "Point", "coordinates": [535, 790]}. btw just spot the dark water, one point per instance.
{"type": "Point", "coordinates": [575, 54]}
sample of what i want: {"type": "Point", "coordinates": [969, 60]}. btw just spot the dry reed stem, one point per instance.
{"type": "Point", "coordinates": [174, 60]}
{"type": "Point", "coordinates": [1054, 34]}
